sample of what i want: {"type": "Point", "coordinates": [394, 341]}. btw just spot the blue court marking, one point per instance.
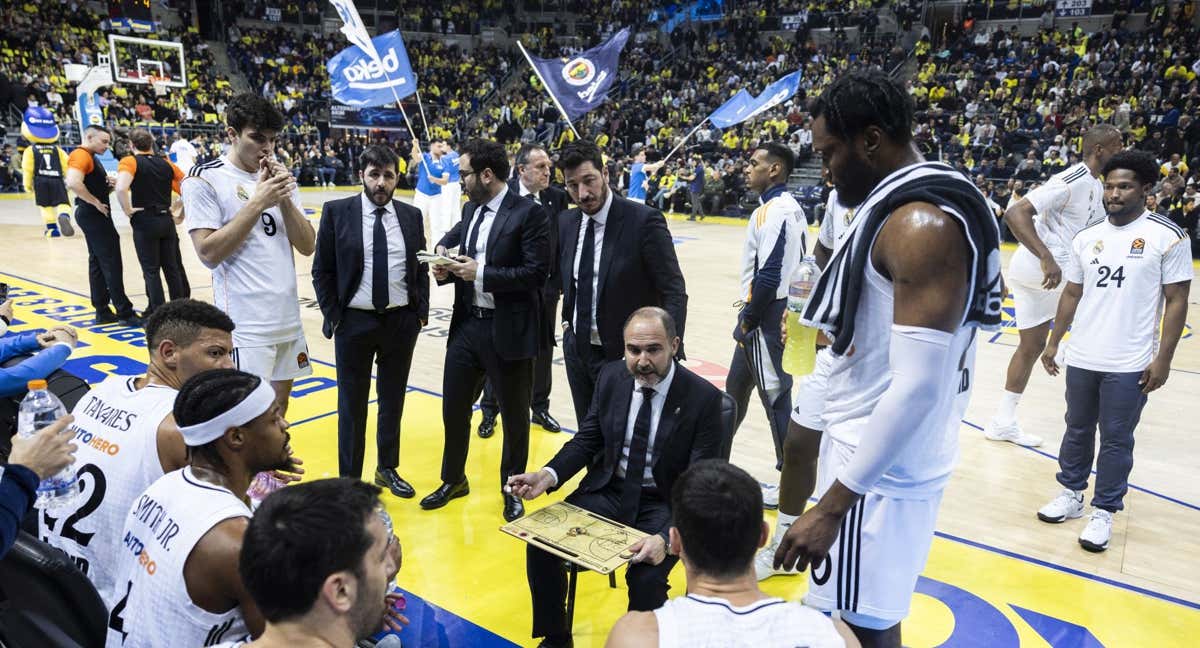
{"type": "Point", "coordinates": [434, 627]}
{"type": "Point", "coordinates": [940, 534]}
{"type": "Point", "coordinates": [676, 239]}
{"type": "Point", "coordinates": [1136, 488]}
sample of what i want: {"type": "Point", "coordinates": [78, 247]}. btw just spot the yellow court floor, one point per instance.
{"type": "Point", "coordinates": [996, 576]}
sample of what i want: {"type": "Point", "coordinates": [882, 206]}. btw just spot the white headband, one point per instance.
{"type": "Point", "coordinates": [251, 407]}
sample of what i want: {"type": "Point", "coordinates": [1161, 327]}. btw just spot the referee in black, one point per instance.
{"type": "Point", "coordinates": [144, 185]}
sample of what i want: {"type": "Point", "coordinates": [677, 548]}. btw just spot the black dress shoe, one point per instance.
{"type": "Point", "coordinates": [132, 321]}
{"type": "Point", "coordinates": [487, 427]}
{"type": "Point", "coordinates": [446, 492]}
{"type": "Point", "coordinates": [513, 507]}
{"type": "Point", "coordinates": [555, 642]}
{"type": "Point", "coordinates": [106, 317]}
{"type": "Point", "coordinates": [387, 478]}
{"type": "Point", "coordinates": [547, 422]}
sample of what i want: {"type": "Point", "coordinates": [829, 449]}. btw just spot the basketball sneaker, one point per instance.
{"type": "Point", "coordinates": [1097, 532]}
{"type": "Point", "coordinates": [770, 493]}
{"type": "Point", "coordinates": [764, 563]}
{"type": "Point", "coordinates": [1011, 432]}
{"type": "Point", "coordinates": [64, 225]}
{"type": "Point", "coordinates": [1067, 506]}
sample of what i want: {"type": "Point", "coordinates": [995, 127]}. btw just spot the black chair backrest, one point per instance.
{"type": "Point", "coordinates": [46, 602]}
{"type": "Point", "coordinates": [67, 386]}
{"type": "Point", "coordinates": [728, 424]}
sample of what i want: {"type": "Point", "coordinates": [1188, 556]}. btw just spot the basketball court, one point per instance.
{"type": "Point", "coordinates": [996, 575]}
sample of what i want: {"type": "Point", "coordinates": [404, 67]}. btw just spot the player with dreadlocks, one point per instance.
{"type": "Point", "coordinates": [917, 272]}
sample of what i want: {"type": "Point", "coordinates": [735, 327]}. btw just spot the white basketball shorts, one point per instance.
{"type": "Point", "coordinates": [809, 409]}
{"type": "Point", "coordinates": [881, 549]}
{"type": "Point", "coordinates": [282, 361]}
{"type": "Point", "coordinates": [1033, 304]}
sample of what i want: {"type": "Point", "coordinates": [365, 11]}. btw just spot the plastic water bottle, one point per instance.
{"type": "Point", "coordinates": [800, 352]}
{"type": "Point", "coordinates": [39, 409]}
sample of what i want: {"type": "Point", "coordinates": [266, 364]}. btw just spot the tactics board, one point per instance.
{"type": "Point", "coordinates": [578, 535]}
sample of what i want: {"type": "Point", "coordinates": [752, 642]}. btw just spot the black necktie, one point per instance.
{"type": "Point", "coordinates": [379, 264]}
{"type": "Point", "coordinates": [535, 198]}
{"type": "Point", "coordinates": [583, 291]}
{"type": "Point", "coordinates": [635, 469]}
{"type": "Point", "coordinates": [473, 242]}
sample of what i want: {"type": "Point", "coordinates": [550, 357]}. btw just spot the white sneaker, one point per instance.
{"type": "Point", "coordinates": [1097, 532]}
{"type": "Point", "coordinates": [1067, 506]}
{"type": "Point", "coordinates": [770, 495]}
{"type": "Point", "coordinates": [1012, 433]}
{"type": "Point", "coordinates": [764, 564]}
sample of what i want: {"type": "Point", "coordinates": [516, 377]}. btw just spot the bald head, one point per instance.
{"type": "Point", "coordinates": [650, 345]}
{"type": "Point", "coordinates": [1100, 143]}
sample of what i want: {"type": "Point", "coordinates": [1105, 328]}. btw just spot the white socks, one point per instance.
{"type": "Point", "coordinates": [782, 524]}
{"type": "Point", "coordinates": [1007, 414]}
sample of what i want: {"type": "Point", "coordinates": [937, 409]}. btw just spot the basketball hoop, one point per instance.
{"type": "Point", "coordinates": [160, 86]}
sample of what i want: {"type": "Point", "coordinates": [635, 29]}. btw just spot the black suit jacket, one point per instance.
{"type": "Point", "coordinates": [638, 267]}
{"type": "Point", "coordinates": [515, 272]}
{"type": "Point", "coordinates": [688, 430]}
{"type": "Point", "coordinates": [554, 203]}
{"type": "Point", "coordinates": [337, 267]}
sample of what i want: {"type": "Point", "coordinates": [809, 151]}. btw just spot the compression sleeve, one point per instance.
{"type": "Point", "coordinates": [918, 358]}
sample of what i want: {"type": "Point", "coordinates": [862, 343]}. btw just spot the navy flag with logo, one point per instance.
{"type": "Point", "coordinates": [582, 82]}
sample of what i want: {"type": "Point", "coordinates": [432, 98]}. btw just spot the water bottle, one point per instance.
{"type": "Point", "coordinates": [263, 485]}
{"type": "Point", "coordinates": [39, 409]}
{"type": "Point", "coordinates": [800, 352]}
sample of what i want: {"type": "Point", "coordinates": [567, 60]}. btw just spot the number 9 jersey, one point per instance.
{"type": "Point", "coordinates": [256, 285]}
{"type": "Point", "coordinates": [116, 432]}
{"type": "Point", "coordinates": [1122, 271]}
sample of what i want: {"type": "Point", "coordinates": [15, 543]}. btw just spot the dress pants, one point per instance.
{"type": "Point", "coordinates": [157, 246]}
{"type": "Point", "coordinates": [547, 573]}
{"type": "Point", "coordinates": [582, 372]}
{"type": "Point", "coordinates": [470, 358]}
{"type": "Point", "coordinates": [105, 271]}
{"type": "Point", "coordinates": [741, 380]}
{"type": "Point", "coordinates": [388, 339]}
{"type": "Point", "coordinates": [1114, 401]}
{"type": "Point", "coordinates": [542, 381]}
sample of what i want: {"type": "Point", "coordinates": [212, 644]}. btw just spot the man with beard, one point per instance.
{"type": "Point", "coordinates": [650, 419]}
{"type": "Point", "coordinates": [498, 280]}
{"type": "Point", "coordinates": [375, 298]}
{"type": "Point", "coordinates": [1124, 274]}
{"type": "Point", "coordinates": [903, 322]}
{"type": "Point", "coordinates": [183, 535]}
{"type": "Point", "coordinates": [340, 532]}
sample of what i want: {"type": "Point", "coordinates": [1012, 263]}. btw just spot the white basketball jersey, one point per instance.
{"type": "Point", "coordinates": [836, 221]}
{"type": "Point", "coordinates": [695, 621]}
{"type": "Point", "coordinates": [256, 285]}
{"type": "Point", "coordinates": [163, 526]}
{"type": "Point", "coordinates": [1069, 201]}
{"type": "Point", "coordinates": [859, 379]}
{"type": "Point", "coordinates": [776, 233]}
{"type": "Point", "coordinates": [116, 432]}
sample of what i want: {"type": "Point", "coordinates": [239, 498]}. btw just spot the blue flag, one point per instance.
{"type": "Point", "coordinates": [742, 108]}
{"type": "Point", "coordinates": [361, 81]}
{"type": "Point", "coordinates": [730, 112]}
{"type": "Point", "coordinates": [582, 83]}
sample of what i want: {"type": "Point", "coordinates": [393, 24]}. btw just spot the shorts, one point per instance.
{"type": "Point", "coordinates": [809, 410]}
{"type": "Point", "coordinates": [1033, 305]}
{"type": "Point", "coordinates": [282, 361]}
{"type": "Point", "coordinates": [425, 202]}
{"type": "Point", "coordinates": [872, 568]}
{"type": "Point", "coordinates": [49, 192]}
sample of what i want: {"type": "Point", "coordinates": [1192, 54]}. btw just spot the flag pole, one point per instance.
{"type": "Point", "coordinates": [422, 108]}
{"type": "Point", "coordinates": [685, 139]}
{"type": "Point", "coordinates": [547, 87]}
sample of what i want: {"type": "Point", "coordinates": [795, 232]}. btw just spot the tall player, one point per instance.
{"type": "Point", "coordinates": [802, 445]}
{"type": "Point", "coordinates": [1044, 222]}
{"type": "Point", "coordinates": [179, 583]}
{"type": "Point", "coordinates": [127, 437]}
{"type": "Point", "coordinates": [904, 322]}
{"type": "Point", "coordinates": [1121, 273]}
{"type": "Point", "coordinates": [244, 215]}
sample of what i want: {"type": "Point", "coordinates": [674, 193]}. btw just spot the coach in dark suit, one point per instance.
{"type": "Point", "coordinates": [375, 299]}
{"type": "Point", "coordinates": [495, 327]}
{"type": "Point", "coordinates": [532, 180]}
{"type": "Point", "coordinates": [650, 420]}
{"type": "Point", "coordinates": [617, 256]}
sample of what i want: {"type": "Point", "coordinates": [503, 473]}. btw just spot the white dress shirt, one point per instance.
{"type": "Point", "coordinates": [601, 217]}
{"type": "Point", "coordinates": [524, 191]}
{"type": "Point", "coordinates": [635, 405]}
{"type": "Point", "coordinates": [482, 299]}
{"type": "Point", "coordinates": [397, 288]}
